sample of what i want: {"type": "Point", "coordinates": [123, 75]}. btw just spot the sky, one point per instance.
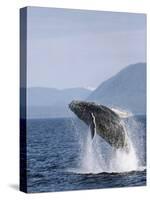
{"type": "Point", "coordinates": [80, 48]}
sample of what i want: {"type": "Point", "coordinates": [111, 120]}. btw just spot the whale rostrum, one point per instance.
{"type": "Point", "coordinates": [102, 121]}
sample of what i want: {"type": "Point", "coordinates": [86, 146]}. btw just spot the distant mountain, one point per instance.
{"type": "Point", "coordinates": [51, 102]}
{"type": "Point", "coordinates": [126, 90]}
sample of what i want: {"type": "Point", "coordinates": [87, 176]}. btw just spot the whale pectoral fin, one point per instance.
{"type": "Point", "coordinates": [92, 131]}
{"type": "Point", "coordinates": [92, 128]}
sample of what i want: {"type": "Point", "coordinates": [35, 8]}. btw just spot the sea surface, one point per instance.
{"type": "Point", "coordinates": [61, 157]}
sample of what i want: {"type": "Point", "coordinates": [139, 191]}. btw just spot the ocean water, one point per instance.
{"type": "Point", "coordinates": [61, 156]}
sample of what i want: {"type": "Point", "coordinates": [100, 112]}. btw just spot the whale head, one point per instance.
{"type": "Point", "coordinates": [83, 110]}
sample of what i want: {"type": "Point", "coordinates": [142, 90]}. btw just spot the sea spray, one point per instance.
{"type": "Point", "coordinates": [92, 161]}
{"type": "Point", "coordinates": [90, 158]}
{"type": "Point", "coordinates": [123, 161]}
{"type": "Point", "coordinates": [135, 130]}
{"type": "Point", "coordinates": [93, 158]}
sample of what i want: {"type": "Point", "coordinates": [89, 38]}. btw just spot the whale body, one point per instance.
{"type": "Point", "coordinates": [102, 121]}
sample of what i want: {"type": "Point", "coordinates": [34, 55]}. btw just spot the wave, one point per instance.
{"type": "Point", "coordinates": [82, 172]}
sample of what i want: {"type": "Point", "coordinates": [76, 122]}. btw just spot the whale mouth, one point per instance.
{"type": "Point", "coordinates": [79, 108]}
{"type": "Point", "coordinates": [72, 105]}
{"type": "Point", "coordinates": [75, 106]}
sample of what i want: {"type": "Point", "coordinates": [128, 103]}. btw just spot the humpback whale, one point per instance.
{"type": "Point", "coordinates": [102, 121]}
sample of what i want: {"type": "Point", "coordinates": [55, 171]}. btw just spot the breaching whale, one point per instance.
{"type": "Point", "coordinates": [103, 121]}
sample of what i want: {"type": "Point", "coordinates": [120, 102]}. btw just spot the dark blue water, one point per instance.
{"type": "Point", "coordinates": [54, 149]}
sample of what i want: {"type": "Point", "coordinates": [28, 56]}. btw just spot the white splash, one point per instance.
{"type": "Point", "coordinates": [123, 161]}
{"type": "Point", "coordinates": [94, 160]}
